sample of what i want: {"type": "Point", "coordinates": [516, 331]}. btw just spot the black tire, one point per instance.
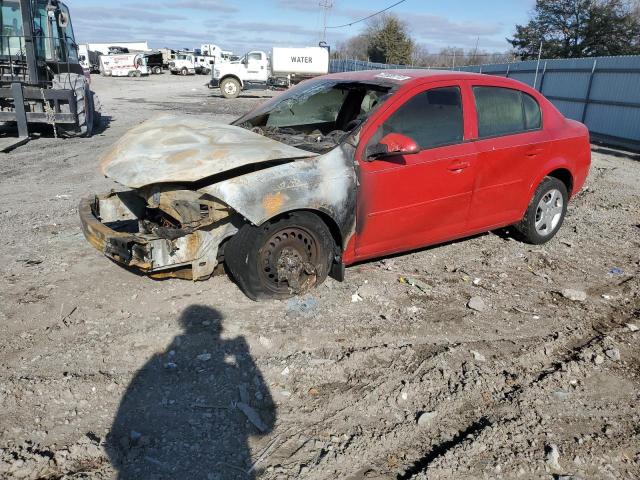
{"type": "Point", "coordinates": [184, 72]}
{"type": "Point", "coordinates": [542, 220]}
{"type": "Point", "coordinates": [206, 71]}
{"type": "Point", "coordinates": [282, 258]}
{"type": "Point", "coordinates": [84, 102]}
{"type": "Point", "coordinates": [157, 70]}
{"type": "Point", "coordinates": [230, 88]}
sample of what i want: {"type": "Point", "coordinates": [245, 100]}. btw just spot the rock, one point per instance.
{"type": "Point", "coordinates": [613, 353]}
{"type": "Point", "coordinates": [425, 418]}
{"type": "Point", "coordinates": [598, 359]}
{"type": "Point", "coordinates": [355, 298]}
{"type": "Point", "coordinates": [478, 357]}
{"type": "Point", "coordinates": [568, 477]}
{"type": "Point", "coordinates": [204, 357]}
{"type": "Point", "coordinates": [553, 456]}
{"type": "Point", "coordinates": [574, 295]}
{"type": "Point", "coordinates": [632, 327]}
{"type": "Point", "coordinates": [304, 306]}
{"type": "Point", "coordinates": [560, 395]}
{"type": "Point", "coordinates": [367, 291]}
{"type": "Point", "coordinates": [285, 371]}
{"type": "Point", "coordinates": [477, 304]}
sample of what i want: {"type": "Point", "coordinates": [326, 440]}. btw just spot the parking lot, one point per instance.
{"type": "Point", "coordinates": [483, 358]}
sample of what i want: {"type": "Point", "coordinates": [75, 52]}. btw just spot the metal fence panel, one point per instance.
{"type": "Point", "coordinates": [602, 92]}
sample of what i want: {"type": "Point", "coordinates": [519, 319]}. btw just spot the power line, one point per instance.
{"type": "Point", "coordinates": [370, 16]}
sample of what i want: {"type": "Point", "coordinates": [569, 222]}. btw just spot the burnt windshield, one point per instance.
{"type": "Point", "coordinates": [316, 115]}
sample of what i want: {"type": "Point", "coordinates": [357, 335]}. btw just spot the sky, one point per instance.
{"type": "Point", "coordinates": [245, 25]}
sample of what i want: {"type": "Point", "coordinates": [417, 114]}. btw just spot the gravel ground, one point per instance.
{"type": "Point", "coordinates": [490, 359]}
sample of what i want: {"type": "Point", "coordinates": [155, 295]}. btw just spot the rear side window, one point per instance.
{"type": "Point", "coordinates": [503, 111]}
{"type": "Point", "coordinates": [432, 118]}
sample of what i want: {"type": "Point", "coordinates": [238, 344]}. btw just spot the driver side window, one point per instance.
{"type": "Point", "coordinates": [432, 118]}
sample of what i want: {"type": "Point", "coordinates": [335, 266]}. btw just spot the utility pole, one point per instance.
{"type": "Point", "coordinates": [535, 80]}
{"type": "Point", "coordinates": [326, 5]}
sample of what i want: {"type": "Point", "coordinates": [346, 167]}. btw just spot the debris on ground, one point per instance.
{"type": "Point", "coordinates": [391, 386]}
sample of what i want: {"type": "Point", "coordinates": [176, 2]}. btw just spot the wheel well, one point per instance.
{"type": "Point", "coordinates": [565, 177]}
{"type": "Point", "coordinates": [237, 79]}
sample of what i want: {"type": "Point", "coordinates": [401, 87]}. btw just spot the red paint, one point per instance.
{"type": "Point", "coordinates": [399, 144]}
{"type": "Point", "coordinates": [449, 192]}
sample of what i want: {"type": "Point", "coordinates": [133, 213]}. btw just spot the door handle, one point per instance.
{"type": "Point", "coordinates": [534, 152]}
{"type": "Point", "coordinates": [458, 166]}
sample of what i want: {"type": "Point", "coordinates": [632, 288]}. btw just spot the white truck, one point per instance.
{"type": "Point", "coordinates": [286, 66]}
{"type": "Point", "coordinates": [183, 64]}
{"type": "Point", "coordinates": [124, 65]}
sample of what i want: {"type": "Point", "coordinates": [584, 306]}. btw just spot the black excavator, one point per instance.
{"type": "Point", "coordinates": [41, 79]}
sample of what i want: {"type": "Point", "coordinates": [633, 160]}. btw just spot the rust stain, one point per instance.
{"type": "Point", "coordinates": [193, 245]}
{"type": "Point", "coordinates": [218, 154]}
{"type": "Point", "coordinates": [273, 202]}
{"type": "Point", "coordinates": [182, 155]}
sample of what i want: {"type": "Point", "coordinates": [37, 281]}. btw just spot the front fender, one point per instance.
{"type": "Point", "coordinates": [326, 183]}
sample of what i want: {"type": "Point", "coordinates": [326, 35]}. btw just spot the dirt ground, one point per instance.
{"type": "Point", "coordinates": [105, 374]}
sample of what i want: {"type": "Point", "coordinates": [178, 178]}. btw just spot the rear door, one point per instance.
{"type": "Point", "coordinates": [511, 144]}
{"type": "Point", "coordinates": [414, 200]}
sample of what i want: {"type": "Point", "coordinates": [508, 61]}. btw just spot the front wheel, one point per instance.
{"type": "Point", "coordinates": [282, 258]}
{"type": "Point", "coordinates": [85, 106]}
{"type": "Point", "coordinates": [184, 72]}
{"type": "Point", "coordinates": [230, 88]}
{"type": "Point", "coordinates": [546, 212]}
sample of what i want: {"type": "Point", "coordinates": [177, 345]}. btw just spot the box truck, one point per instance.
{"type": "Point", "coordinates": [124, 65]}
{"type": "Point", "coordinates": [284, 67]}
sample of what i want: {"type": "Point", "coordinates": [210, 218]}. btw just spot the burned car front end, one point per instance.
{"type": "Point", "coordinates": [190, 184]}
{"type": "Point", "coordinates": [159, 231]}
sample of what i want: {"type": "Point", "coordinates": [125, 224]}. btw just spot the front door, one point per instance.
{"type": "Point", "coordinates": [410, 201]}
{"type": "Point", "coordinates": [257, 70]}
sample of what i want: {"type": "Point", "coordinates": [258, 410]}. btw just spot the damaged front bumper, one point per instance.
{"type": "Point", "coordinates": [111, 223]}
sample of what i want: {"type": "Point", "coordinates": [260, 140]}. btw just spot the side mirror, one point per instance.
{"type": "Point", "coordinates": [393, 145]}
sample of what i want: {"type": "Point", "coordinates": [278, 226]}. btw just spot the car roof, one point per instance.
{"type": "Point", "coordinates": [410, 76]}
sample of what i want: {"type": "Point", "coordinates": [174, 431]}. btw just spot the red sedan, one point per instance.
{"type": "Point", "coordinates": [339, 169]}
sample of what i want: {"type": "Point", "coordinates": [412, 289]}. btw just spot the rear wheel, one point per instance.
{"type": "Point", "coordinates": [282, 258]}
{"type": "Point", "coordinates": [546, 212]}
{"type": "Point", "coordinates": [230, 88]}
{"type": "Point", "coordinates": [84, 102]}
{"type": "Point", "coordinates": [157, 70]}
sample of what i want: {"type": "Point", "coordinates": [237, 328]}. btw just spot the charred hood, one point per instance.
{"type": "Point", "coordinates": [177, 149]}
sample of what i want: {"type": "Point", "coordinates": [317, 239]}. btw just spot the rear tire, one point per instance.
{"type": "Point", "coordinates": [84, 101]}
{"type": "Point", "coordinates": [157, 70]}
{"type": "Point", "coordinates": [282, 258]}
{"type": "Point", "coordinates": [546, 212]}
{"type": "Point", "coordinates": [230, 88]}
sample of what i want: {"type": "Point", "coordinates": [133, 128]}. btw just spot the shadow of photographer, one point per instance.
{"type": "Point", "coordinates": [190, 411]}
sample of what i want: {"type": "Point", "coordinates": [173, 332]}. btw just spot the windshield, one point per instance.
{"type": "Point", "coordinates": [316, 115]}
{"type": "Point", "coordinates": [11, 41]}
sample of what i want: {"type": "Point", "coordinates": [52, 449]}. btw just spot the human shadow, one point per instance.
{"type": "Point", "coordinates": [190, 411]}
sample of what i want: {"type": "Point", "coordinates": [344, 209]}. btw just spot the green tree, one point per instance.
{"type": "Point", "coordinates": [579, 28]}
{"type": "Point", "coordinates": [389, 40]}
